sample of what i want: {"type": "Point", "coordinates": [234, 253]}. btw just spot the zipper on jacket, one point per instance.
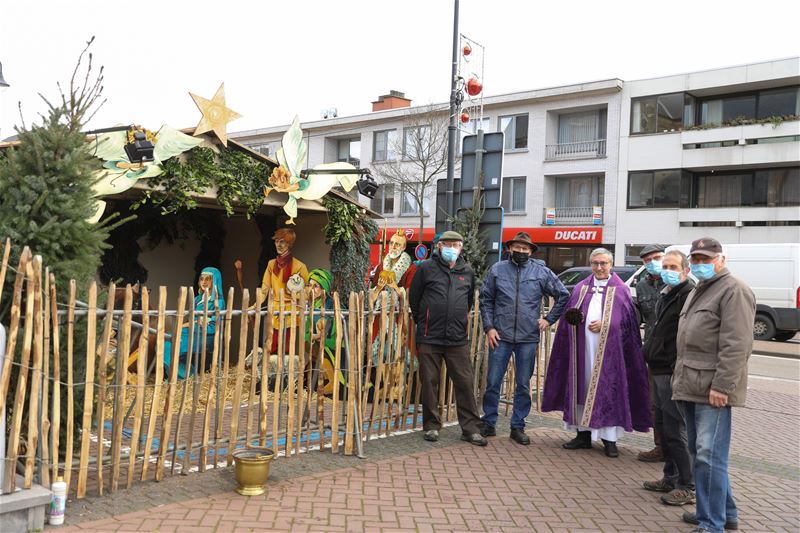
{"type": "Point", "coordinates": [427, 315]}
{"type": "Point", "coordinates": [516, 308]}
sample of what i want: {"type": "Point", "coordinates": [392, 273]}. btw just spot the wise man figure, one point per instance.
{"type": "Point", "coordinates": [397, 261]}
{"type": "Point", "coordinates": [596, 374]}
{"type": "Point", "coordinates": [286, 273]}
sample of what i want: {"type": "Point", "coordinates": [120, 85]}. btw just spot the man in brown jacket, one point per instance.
{"type": "Point", "coordinates": [715, 338]}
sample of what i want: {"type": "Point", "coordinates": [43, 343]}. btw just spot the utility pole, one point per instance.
{"type": "Point", "coordinates": [452, 130]}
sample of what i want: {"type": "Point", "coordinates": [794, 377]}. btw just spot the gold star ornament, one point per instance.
{"type": "Point", "coordinates": [215, 115]}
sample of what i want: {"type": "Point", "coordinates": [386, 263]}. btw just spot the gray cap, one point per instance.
{"type": "Point", "coordinates": [650, 248]}
{"type": "Point", "coordinates": [451, 235]}
{"type": "Point", "coordinates": [706, 246]}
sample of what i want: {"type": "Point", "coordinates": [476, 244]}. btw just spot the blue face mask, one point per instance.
{"type": "Point", "coordinates": [671, 277]}
{"type": "Point", "coordinates": [653, 267]}
{"type": "Point", "coordinates": [703, 271]}
{"type": "Point", "coordinates": [449, 254]}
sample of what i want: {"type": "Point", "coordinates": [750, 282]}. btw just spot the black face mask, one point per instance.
{"type": "Point", "coordinates": [520, 258]}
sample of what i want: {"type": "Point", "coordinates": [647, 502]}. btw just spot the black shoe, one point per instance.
{"type": "Point", "coordinates": [432, 435]}
{"type": "Point", "coordinates": [518, 435]}
{"type": "Point", "coordinates": [691, 518]}
{"type": "Point", "coordinates": [474, 438]}
{"type": "Point", "coordinates": [488, 431]}
{"type": "Point", "coordinates": [610, 448]}
{"type": "Point", "coordinates": [582, 440]}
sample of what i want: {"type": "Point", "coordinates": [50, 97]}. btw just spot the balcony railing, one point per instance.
{"type": "Point", "coordinates": [572, 216]}
{"type": "Point", "coordinates": [577, 150]}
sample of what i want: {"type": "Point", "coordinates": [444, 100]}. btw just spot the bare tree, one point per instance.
{"type": "Point", "coordinates": [420, 157]}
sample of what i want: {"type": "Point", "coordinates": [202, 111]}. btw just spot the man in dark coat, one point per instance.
{"type": "Point", "coordinates": [440, 298]}
{"type": "Point", "coordinates": [511, 300]}
{"type": "Point", "coordinates": [660, 353]}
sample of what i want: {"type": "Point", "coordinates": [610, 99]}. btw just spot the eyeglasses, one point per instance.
{"type": "Point", "coordinates": [600, 263]}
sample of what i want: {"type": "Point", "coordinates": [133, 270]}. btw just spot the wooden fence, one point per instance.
{"type": "Point", "coordinates": [141, 421]}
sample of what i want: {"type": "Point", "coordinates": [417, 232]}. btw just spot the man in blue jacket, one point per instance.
{"type": "Point", "coordinates": [510, 300]}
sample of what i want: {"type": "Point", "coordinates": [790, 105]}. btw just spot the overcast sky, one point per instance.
{"type": "Point", "coordinates": [279, 59]}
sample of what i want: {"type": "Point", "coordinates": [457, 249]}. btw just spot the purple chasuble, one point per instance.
{"type": "Point", "coordinates": [618, 391]}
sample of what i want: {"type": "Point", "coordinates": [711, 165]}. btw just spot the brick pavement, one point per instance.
{"type": "Point", "coordinates": [408, 485]}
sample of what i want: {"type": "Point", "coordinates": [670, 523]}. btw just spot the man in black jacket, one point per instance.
{"type": "Point", "coordinates": [441, 297]}
{"type": "Point", "coordinates": [660, 353]}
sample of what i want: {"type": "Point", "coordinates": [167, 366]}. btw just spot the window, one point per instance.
{"type": "Point", "coordinates": [471, 128]}
{"type": "Point", "coordinates": [416, 142]}
{"type": "Point", "coordinates": [756, 105]}
{"type": "Point", "coordinates": [657, 189]}
{"type": "Point", "coordinates": [514, 194]}
{"type": "Point", "coordinates": [579, 191]}
{"type": "Point", "coordinates": [263, 149]}
{"type": "Point", "coordinates": [659, 114]}
{"type": "Point", "coordinates": [384, 146]}
{"type": "Point", "coordinates": [349, 151]}
{"type": "Point", "coordinates": [409, 205]}
{"type": "Point", "coordinates": [582, 127]}
{"type": "Point", "coordinates": [515, 129]}
{"type": "Point", "coordinates": [383, 202]}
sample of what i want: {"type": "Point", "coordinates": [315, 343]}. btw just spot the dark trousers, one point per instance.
{"type": "Point", "coordinates": [459, 370]}
{"type": "Point", "coordinates": [653, 406]}
{"type": "Point", "coordinates": [672, 427]}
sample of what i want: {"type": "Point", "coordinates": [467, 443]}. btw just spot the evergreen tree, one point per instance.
{"type": "Point", "coordinates": [46, 185]}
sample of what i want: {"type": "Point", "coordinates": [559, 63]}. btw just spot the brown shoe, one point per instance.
{"type": "Point", "coordinates": [662, 485]}
{"type": "Point", "coordinates": [678, 497]}
{"type": "Point", "coordinates": [652, 456]}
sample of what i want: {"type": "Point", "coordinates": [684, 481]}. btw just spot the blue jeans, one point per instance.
{"type": "Point", "coordinates": [709, 434]}
{"type": "Point", "coordinates": [524, 361]}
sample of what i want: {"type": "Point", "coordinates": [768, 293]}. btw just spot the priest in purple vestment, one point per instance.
{"type": "Point", "coordinates": [596, 374]}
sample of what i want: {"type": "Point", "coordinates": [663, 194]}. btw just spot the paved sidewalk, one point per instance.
{"type": "Point", "coordinates": [408, 485]}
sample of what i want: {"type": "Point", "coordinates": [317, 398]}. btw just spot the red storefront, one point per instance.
{"type": "Point", "coordinates": [559, 247]}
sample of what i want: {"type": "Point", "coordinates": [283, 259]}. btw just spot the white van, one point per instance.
{"type": "Point", "coordinates": [773, 272]}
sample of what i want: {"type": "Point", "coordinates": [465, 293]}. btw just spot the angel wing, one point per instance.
{"type": "Point", "coordinates": [319, 184]}
{"type": "Point", "coordinates": [109, 146]}
{"type": "Point", "coordinates": [171, 142]}
{"type": "Point", "coordinates": [292, 153]}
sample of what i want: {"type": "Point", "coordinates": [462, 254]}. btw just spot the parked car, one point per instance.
{"type": "Point", "coordinates": [573, 276]}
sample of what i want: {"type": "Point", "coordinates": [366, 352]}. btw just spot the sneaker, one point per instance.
{"type": "Point", "coordinates": [678, 497]}
{"type": "Point", "coordinates": [651, 456]}
{"type": "Point", "coordinates": [691, 518]}
{"type": "Point", "coordinates": [699, 529]}
{"type": "Point", "coordinates": [488, 431]}
{"type": "Point", "coordinates": [662, 485]}
{"type": "Point", "coordinates": [432, 435]}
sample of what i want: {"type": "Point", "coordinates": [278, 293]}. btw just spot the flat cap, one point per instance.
{"type": "Point", "coordinates": [451, 235]}
{"type": "Point", "coordinates": [650, 248]}
{"type": "Point", "coordinates": [706, 246]}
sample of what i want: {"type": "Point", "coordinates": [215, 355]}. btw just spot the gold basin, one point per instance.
{"type": "Point", "coordinates": [252, 470]}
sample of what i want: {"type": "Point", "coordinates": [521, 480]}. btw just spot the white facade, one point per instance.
{"type": "Point", "coordinates": [579, 151]}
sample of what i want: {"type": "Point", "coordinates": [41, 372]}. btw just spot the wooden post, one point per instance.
{"type": "Point", "coordinates": [88, 391]}
{"type": "Point", "coordinates": [56, 427]}
{"type": "Point", "coordinates": [121, 384]}
{"type": "Point", "coordinates": [197, 382]}
{"type": "Point", "coordinates": [276, 392]}
{"type": "Point", "coordinates": [210, 395]}
{"type": "Point", "coordinates": [45, 437]}
{"type": "Point", "coordinates": [377, 383]}
{"type": "Point", "coordinates": [103, 382]}
{"type": "Point", "coordinates": [292, 378]}
{"type": "Point", "coordinates": [352, 359]}
{"type": "Point", "coordinates": [320, 387]}
{"type": "Point", "coordinates": [192, 327]}
{"type": "Point", "coordinates": [70, 384]}
{"type": "Point", "coordinates": [166, 421]}
{"type": "Point", "coordinates": [237, 391]}
{"type": "Point", "coordinates": [141, 370]}
{"type": "Point", "coordinates": [301, 367]}
{"type": "Point", "coordinates": [386, 364]}
{"type": "Point", "coordinates": [266, 351]}
{"type": "Point", "coordinates": [11, 341]}
{"type": "Point", "coordinates": [159, 378]}
{"type": "Point", "coordinates": [337, 364]}
{"type": "Point", "coordinates": [223, 394]}
{"type": "Point", "coordinates": [4, 265]}
{"type": "Point", "coordinates": [253, 366]}
{"type": "Point", "coordinates": [368, 353]}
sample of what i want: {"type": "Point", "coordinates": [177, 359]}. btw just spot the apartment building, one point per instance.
{"type": "Point", "coordinates": [608, 163]}
{"type": "Point", "coordinates": [715, 153]}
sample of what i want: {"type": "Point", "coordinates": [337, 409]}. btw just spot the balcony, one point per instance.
{"type": "Point", "coordinates": [572, 216]}
{"type": "Point", "coordinates": [576, 150]}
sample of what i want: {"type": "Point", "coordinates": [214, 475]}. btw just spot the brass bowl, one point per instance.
{"type": "Point", "coordinates": [251, 470]}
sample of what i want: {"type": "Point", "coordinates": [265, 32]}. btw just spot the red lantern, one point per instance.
{"type": "Point", "coordinates": [467, 50]}
{"type": "Point", "coordinates": [464, 117]}
{"type": "Point", "coordinates": [474, 87]}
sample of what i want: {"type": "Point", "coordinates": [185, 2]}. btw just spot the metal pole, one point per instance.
{"type": "Point", "coordinates": [452, 130]}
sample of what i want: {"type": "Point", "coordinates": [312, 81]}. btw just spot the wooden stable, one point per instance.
{"type": "Point", "coordinates": [140, 423]}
